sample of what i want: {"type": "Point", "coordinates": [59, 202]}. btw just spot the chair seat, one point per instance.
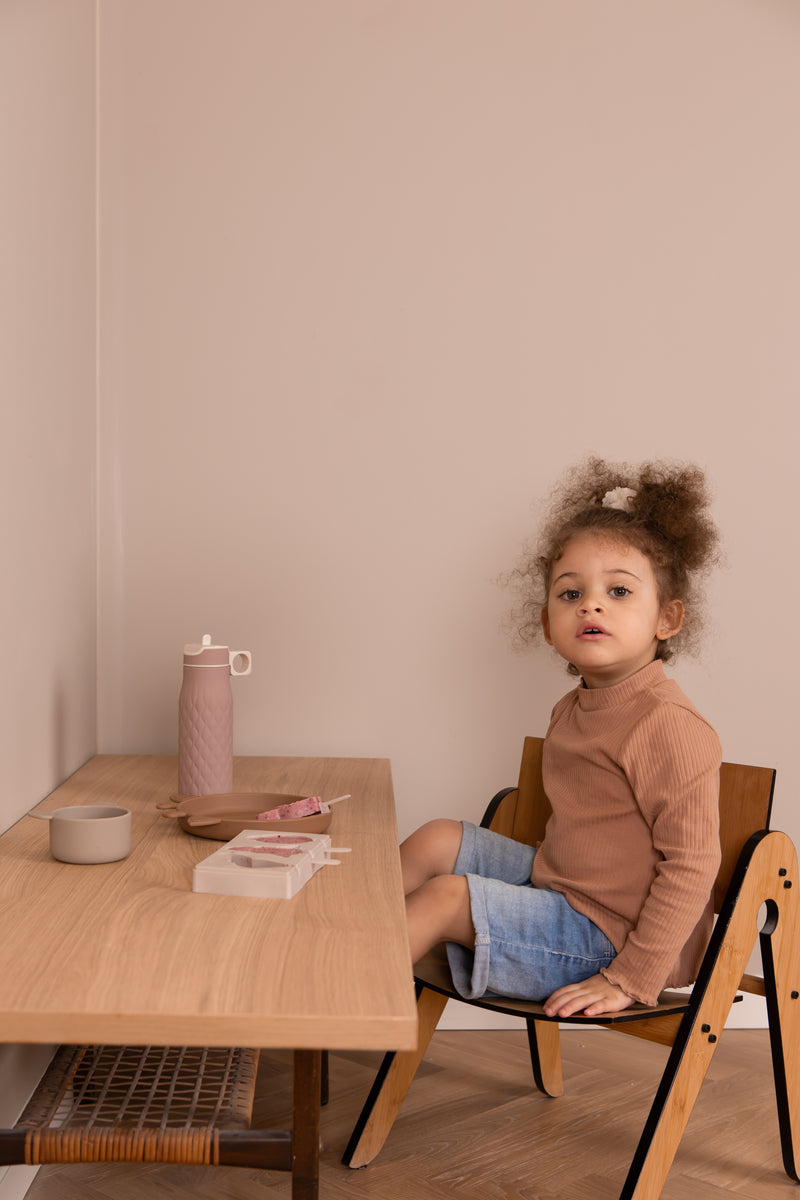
{"type": "Point", "coordinates": [434, 972]}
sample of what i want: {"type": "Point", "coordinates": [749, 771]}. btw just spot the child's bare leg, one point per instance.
{"type": "Point", "coordinates": [431, 850]}
{"type": "Point", "coordinates": [437, 901]}
{"type": "Point", "coordinates": [439, 911]}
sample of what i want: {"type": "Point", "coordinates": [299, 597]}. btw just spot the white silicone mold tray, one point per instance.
{"type": "Point", "coordinates": [269, 864]}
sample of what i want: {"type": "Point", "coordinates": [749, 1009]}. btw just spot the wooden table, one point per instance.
{"type": "Point", "coordinates": [126, 953]}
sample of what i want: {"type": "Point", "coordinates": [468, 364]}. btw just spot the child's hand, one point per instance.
{"type": "Point", "coordinates": [592, 996]}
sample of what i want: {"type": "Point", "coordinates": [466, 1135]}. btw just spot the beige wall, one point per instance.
{"type": "Point", "coordinates": [373, 274]}
{"type": "Point", "coordinates": [48, 369]}
{"type": "Point", "coordinates": [47, 351]}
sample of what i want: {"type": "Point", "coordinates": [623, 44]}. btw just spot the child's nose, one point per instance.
{"type": "Point", "coordinates": [591, 604]}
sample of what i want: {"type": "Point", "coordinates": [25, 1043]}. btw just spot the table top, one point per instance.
{"type": "Point", "coordinates": [126, 952]}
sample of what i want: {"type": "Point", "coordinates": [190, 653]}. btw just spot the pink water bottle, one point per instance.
{"type": "Point", "coordinates": [205, 718]}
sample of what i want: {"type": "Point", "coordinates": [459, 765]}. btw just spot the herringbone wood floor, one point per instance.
{"type": "Point", "coordinates": [474, 1127]}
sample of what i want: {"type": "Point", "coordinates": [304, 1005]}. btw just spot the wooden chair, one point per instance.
{"type": "Point", "coordinates": [759, 868]}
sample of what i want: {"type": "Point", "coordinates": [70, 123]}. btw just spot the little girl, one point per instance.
{"type": "Point", "coordinates": [615, 903]}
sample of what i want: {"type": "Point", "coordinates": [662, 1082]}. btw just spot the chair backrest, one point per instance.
{"type": "Point", "coordinates": [745, 802]}
{"type": "Point", "coordinates": [745, 806]}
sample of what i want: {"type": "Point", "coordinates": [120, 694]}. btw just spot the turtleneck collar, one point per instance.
{"type": "Point", "coordinates": [591, 699]}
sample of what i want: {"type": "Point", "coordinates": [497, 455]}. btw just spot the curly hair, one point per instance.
{"type": "Point", "coordinates": [665, 516]}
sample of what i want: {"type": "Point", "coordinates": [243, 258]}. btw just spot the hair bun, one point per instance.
{"type": "Point", "coordinates": [673, 500]}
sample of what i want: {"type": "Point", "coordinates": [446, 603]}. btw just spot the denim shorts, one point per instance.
{"type": "Point", "coordinates": [528, 940]}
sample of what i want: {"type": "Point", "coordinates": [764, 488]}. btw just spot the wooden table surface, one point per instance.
{"type": "Point", "coordinates": [127, 953]}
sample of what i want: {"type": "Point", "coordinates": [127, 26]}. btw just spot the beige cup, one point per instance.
{"type": "Point", "coordinates": [89, 833]}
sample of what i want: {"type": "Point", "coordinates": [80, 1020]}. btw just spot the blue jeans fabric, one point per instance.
{"type": "Point", "coordinates": [528, 940]}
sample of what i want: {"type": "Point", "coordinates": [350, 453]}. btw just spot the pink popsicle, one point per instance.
{"type": "Point", "coordinates": [297, 808]}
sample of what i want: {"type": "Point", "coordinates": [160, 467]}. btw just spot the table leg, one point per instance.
{"type": "Point", "coordinates": [305, 1124]}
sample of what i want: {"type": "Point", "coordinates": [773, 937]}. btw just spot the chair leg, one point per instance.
{"type": "Point", "coordinates": [324, 1085]}
{"type": "Point", "coordinates": [737, 930]}
{"type": "Point", "coordinates": [544, 1042]}
{"type": "Point", "coordinates": [687, 1067]}
{"type": "Point", "coordinates": [780, 956]}
{"type": "Point", "coordinates": [393, 1081]}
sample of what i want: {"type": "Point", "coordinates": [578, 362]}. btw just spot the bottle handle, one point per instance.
{"type": "Point", "coordinates": [244, 654]}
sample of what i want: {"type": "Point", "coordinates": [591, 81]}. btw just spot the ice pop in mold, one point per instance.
{"type": "Point", "coordinates": [270, 865]}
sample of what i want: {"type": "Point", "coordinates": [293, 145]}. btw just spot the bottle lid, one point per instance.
{"type": "Point", "coordinates": [205, 654]}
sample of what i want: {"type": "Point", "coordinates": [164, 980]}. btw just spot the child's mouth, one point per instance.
{"type": "Point", "coordinates": [592, 632]}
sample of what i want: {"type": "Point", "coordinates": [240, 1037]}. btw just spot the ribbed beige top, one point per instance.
{"type": "Point", "coordinates": [632, 773]}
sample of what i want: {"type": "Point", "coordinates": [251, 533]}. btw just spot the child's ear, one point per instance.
{"type": "Point", "coordinates": [546, 626]}
{"type": "Point", "coordinates": [670, 621]}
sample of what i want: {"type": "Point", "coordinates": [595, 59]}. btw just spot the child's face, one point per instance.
{"type": "Point", "coordinates": [604, 614]}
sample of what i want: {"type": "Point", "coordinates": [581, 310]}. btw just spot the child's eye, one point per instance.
{"type": "Point", "coordinates": [620, 591]}
{"type": "Point", "coordinates": [570, 594]}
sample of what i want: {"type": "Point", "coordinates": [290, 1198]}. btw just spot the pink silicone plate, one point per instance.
{"type": "Point", "coordinates": [225, 815]}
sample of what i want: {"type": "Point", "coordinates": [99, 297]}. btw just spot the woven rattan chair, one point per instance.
{"type": "Point", "coordinates": [758, 868]}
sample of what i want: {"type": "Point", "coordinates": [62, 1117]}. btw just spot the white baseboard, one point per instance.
{"type": "Point", "coordinates": [749, 1013]}
{"type": "Point", "coordinates": [15, 1181]}
{"type": "Point", "coordinates": [21, 1068]}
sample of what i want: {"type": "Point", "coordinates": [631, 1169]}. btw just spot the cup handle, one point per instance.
{"type": "Point", "coordinates": [43, 816]}
{"type": "Point", "coordinates": [247, 656]}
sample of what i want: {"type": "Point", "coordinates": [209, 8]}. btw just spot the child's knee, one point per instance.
{"type": "Point", "coordinates": [448, 893]}
{"type": "Point", "coordinates": [437, 841]}
{"type": "Point", "coordinates": [431, 850]}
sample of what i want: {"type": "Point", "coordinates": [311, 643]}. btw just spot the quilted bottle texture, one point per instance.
{"type": "Point", "coordinates": [205, 719]}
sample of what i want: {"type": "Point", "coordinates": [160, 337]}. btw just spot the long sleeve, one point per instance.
{"type": "Point", "coordinates": [672, 763]}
